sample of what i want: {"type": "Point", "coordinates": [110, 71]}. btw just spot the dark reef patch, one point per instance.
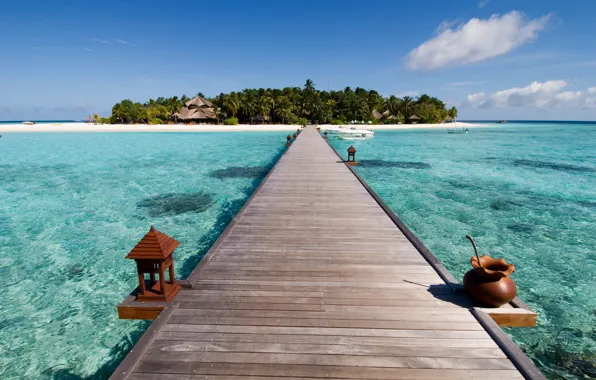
{"type": "Point", "coordinates": [393, 164]}
{"type": "Point", "coordinates": [10, 322]}
{"type": "Point", "coordinates": [176, 204]}
{"type": "Point", "coordinates": [241, 172]}
{"type": "Point", "coordinates": [587, 204]}
{"type": "Point", "coordinates": [75, 272]}
{"type": "Point", "coordinates": [503, 204]}
{"type": "Point", "coordinates": [521, 227]}
{"type": "Point", "coordinates": [553, 166]}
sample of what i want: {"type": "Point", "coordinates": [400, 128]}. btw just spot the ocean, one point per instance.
{"type": "Point", "coordinates": [526, 192]}
{"type": "Point", "coordinates": [72, 205]}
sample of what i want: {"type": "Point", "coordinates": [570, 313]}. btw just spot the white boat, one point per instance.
{"type": "Point", "coordinates": [355, 134]}
{"type": "Point", "coordinates": [335, 129]}
{"type": "Point", "coordinates": [29, 123]}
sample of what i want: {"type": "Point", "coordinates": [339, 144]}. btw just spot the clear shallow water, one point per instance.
{"type": "Point", "coordinates": [73, 205]}
{"type": "Point", "coordinates": [524, 192]}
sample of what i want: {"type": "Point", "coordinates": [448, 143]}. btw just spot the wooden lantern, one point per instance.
{"type": "Point", "coordinates": [352, 156]}
{"type": "Point", "coordinates": [154, 255]}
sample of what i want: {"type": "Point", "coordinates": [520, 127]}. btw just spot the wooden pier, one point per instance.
{"type": "Point", "coordinates": [316, 278]}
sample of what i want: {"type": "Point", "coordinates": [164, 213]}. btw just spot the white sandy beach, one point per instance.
{"type": "Point", "coordinates": [87, 127]}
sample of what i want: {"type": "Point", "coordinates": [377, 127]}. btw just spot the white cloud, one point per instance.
{"type": "Point", "coordinates": [98, 40]}
{"type": "Point", "coordinates": [122, 41]}
{"type": "Point", "coordinates": [546, 94]}
{"type": "Point", "coordinates": [475, 41]}
{"type": "Point", "coordinates": [473, 100]}
{"type": "Point", "coordinates": [457, 84]}
{"type": "Point", "coordinates": [536, 94]}
{"type": "Point", "coordinates": [89, 50]}
{"type": "Point", "coordinates": [444, 25]}
{"type": "Point", "coordinates": [566, 99]}
{"type": "Point", "coordinates": [483, 3]}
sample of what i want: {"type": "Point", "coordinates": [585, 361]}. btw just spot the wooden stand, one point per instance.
{"type": "Point", "coordinates": [153, 256]}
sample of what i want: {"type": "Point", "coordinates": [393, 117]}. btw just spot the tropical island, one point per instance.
{"type": "Point", "coordinates": [290, 105]}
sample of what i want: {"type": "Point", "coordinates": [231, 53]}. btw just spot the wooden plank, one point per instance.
{"type": "Point", "coordinates": [511, 317]}
{"type": "Point", "coordinates": [329, 360]}
{"type": "Point", "coordinates": [477, 333]}
{"type": "Point", "coordinates": [388, 314]}
{"type": "Point", "coordinates": [326, 349]}
{"type": "Point", "coordinates": [485, 342]}
{"type": "Point", "coordinates": [410, 322]}
{"type": "Point", "coordinates": [248, 370]}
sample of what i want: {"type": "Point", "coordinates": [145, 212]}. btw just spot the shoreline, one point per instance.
{"type": "Point", "coordinates": [87, 127]}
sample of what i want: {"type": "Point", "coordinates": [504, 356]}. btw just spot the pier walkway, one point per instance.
{"type": "Point", "coordinates": [314, 280]}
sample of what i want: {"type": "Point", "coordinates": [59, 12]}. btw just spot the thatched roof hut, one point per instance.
{"type": "Point", "coordinates": [391, 117]}
{"type": "Point", "coordinates": [377, 115]}
{"type": "Point", "coordinates": [414, 117]}
{"type": "Point", "coordinates": [197, 109]}
{"type": "Point", "coordinates": [199, 102]}
{"type": "Point", "coordinates": [260, 119]}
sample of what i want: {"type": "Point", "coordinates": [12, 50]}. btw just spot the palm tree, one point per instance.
{"type": "Point", "coordinates": [407, 105]}
{"type": "Point", "coordinates": [232, 104]}
{"type": "Point", "coordinates": [284, 108]}
{"type": "Point", "coordinates": [309, 86]}
{"type": "Point", "coordinates": [452, 113]}
{"type": "Point", "coordinates": [264, 106]}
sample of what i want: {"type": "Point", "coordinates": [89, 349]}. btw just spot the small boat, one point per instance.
{"type": "Point", "coordinates": [457, 130]}
{"type": "Point", "coordinates": [463, 130]}
{"type": "Point", "coordinates": [355, 134]}
{"type": "Point", "coordinates": [502, 122]}
{"type": "Point", "coordinates": [29, 123]}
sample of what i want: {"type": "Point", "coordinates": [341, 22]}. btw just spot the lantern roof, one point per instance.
{"type": "Point", "coordinates": [154, 245]}
{"type": "Point", "coordinates": [351, 149]}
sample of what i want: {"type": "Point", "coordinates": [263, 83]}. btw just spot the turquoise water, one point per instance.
{"type": "Point", "coordinates": [73, 205]}
{"type": "Point", "coordinates": [526, 193]}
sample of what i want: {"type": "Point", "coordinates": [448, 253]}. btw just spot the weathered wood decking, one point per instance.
{"type": "Point", "coordinates": [314, 280]}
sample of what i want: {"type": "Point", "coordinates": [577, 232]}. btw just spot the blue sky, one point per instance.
{"type": "Point", "coordinates": [495, 59]}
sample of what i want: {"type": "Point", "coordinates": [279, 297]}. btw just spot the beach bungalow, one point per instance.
{"type": "Point", "coordinates": [414, 119]}
{"type": "Point", "coordinates": [377, 115]}
{"type": "Point", "coordinates": [260, 119]}
{"type": "Point", "coordinates": [198, 109]}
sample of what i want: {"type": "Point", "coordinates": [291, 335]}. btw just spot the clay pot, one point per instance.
{"type": "Point", "coordinates": [489, 283]}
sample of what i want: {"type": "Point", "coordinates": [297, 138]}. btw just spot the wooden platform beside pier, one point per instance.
{"type": "Point", "coordinates": [313, 279]}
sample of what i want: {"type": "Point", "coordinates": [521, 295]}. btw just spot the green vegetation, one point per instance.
{"type": "Point", "coordinates": [294, 105]}
{"type": "Point", "coordinates": [231, 121]}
